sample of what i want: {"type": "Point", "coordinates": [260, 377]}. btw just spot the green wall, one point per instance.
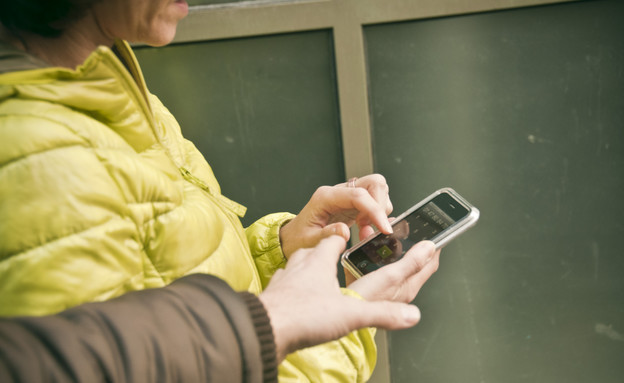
{"type": "Point", "coordinates": [522, 112]}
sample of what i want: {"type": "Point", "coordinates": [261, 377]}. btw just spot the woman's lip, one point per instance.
{"type": "Point", "coordinates": [183, 5]}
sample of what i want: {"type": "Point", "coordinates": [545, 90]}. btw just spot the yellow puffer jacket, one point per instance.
{"type": "Point", "coordinates": [100, 194]}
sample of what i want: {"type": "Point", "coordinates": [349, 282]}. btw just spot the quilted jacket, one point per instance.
{"type": "Point", "coordinates": [100, 194]}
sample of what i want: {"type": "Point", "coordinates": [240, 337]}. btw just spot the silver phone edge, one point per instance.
{"type": "Point", "coordinates": [440, 242]}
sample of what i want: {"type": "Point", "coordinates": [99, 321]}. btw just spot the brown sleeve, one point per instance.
{"type": "Point", "coordinates": [195, 330]}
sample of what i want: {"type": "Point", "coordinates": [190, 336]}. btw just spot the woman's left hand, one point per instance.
{"type": "Point", "coordinates": [333, 209]}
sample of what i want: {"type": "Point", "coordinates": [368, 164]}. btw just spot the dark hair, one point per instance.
{"type": "Point", "coordinates": [43, 17]}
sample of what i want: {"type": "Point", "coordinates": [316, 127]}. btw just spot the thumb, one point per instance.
{"type": "Point", "coordinates": [390, 315]}
{"type": "Point", "coordinates": [415, 259]}
{"type": "Point", "coordinates": [338, 228]}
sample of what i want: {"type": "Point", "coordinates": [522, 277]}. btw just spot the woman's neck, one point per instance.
{"type": "Point", "coordinates": [69, 50]}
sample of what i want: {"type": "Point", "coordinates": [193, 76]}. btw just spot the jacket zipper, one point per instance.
{"type": "Point", "coordinates": [222, 200]}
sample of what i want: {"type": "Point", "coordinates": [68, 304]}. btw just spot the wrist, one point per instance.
{"type": "Point", "coordinates": [285, 233]}
{"type": "Point", "coordinates": [280, 334]}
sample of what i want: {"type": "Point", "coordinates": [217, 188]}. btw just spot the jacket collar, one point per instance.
{"type": "Point", "coordinates": [16, 60]}
{"type": "Point", "coordinates": [108, 86]}
{"type": "Point", "coordinates": [125, 54]}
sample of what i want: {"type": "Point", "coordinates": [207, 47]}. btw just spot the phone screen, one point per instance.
{"type": "Point", "coordinates": [424, 223]}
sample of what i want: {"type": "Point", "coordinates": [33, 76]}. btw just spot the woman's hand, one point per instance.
{"type": "Point", "coordinates": [400, 281]}
{"type": "Point", "coordinates": [306, 306]}
{"type": "Point", "coordinates": [333, 209]}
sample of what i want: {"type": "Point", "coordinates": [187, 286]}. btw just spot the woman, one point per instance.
{"type": "Point", "coordinates": [102, 195]}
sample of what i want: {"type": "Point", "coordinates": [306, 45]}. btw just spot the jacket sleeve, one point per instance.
{"type": "Point", "coordinates": [196, 329]}
{"type": "Point", "coordinates": [265, 245]}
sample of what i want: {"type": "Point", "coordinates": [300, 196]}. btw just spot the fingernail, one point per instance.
{"type": "Point", "coordinates": [388, 227]}
{"type": "Point", "coordinates": [411, 313]}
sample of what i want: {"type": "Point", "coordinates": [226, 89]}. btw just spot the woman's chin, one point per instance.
{"type": "Point", "coordinates": [164, 36]}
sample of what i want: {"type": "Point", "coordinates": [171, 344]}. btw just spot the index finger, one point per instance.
{"type": "Point", "coordinates": [369, 210]}
{"type": "Point", "coordinates": [378, 188]}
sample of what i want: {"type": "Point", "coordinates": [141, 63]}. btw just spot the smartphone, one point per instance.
{"type": "Point", "coordinates": [439, 218]}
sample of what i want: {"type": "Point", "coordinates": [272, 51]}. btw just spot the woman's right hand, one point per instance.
{"type": "Point", "coordinates": [333, 209]}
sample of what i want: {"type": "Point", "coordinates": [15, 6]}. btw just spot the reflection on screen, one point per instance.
{"type": "Point", "coordinates": [424, 223]}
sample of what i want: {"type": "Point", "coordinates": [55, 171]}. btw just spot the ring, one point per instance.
{"type": "Point", "coordinates": [351, 182]}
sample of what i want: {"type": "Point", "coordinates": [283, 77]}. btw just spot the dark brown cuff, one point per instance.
{"type": "Point", "coordinates": [262, 324]}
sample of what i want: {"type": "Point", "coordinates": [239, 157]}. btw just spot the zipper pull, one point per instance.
{"type": "Point", "coordinates": [225, 202]}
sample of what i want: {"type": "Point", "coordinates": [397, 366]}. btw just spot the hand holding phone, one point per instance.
{"type": "Point", "coordinates": [439, 218]}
